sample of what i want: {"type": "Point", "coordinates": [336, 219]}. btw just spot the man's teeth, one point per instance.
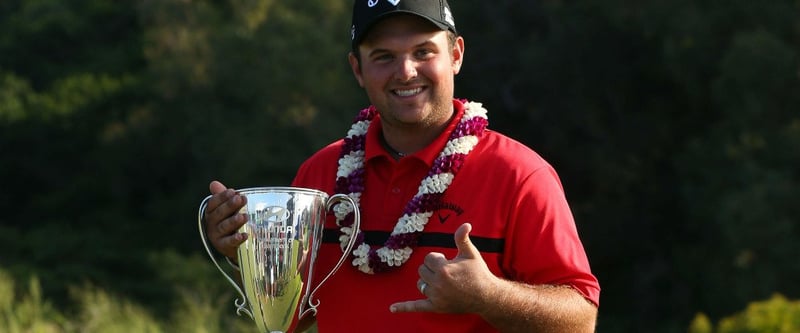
{"type": "Point", "coordinates": [408, 92]}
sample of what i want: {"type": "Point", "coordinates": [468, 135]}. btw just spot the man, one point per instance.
{"type": "Point", "coordinates": [463, 229]}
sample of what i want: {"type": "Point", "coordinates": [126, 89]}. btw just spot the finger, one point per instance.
{"type": "Point", "coordinates": [224, 204]}
{"type": "Point", "coordinates": [233, 241]}
{"type": "Point", "coordinates": [216, 187]}
{"type": "Point", "coordinates": [227, 245]}
{"type": "Point", "coordinates": [222, 222]}
{"type": "Point", "coordinates": [424, 272]}
{"type": "Point", "coordinates": [421, 305]}
{"type": "Point", "coordinates": [421, 286]}
{"type": "Point", "coordinates": [230, 225]}
{"type": "Point", "coordinates": [466, 250]}
{"type": "Point", "coordinates": [216, 200]}
{"type": "Point", "coordinates": [433, 261]}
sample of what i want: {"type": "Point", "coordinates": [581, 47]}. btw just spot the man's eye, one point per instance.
{"type": "Point", "coordinates": [382, 57]}
{"type": "Point", "coordinates": [424, 53]}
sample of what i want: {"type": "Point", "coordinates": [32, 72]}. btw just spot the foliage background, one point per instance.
{"type": "Point", "coordinates": [674, 126]}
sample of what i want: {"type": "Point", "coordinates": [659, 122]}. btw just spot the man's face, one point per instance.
{"type": "Point", "coordinates": [407, 68]}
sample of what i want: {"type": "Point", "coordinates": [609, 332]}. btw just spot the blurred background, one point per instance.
{"type": "Point", "coordinates": [674, 126]}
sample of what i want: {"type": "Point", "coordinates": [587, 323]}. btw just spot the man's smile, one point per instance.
{"type": "Point", "coordinates": [408, 92]}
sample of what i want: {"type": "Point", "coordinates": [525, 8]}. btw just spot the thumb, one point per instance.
{"type": "Point", "coordinates": [466, 250]}
{"type": "Point", "coordinates": [216, 187]}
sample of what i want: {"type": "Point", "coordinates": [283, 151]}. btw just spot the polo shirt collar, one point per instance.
{"type": "Point", "coordinates": [374, 148]}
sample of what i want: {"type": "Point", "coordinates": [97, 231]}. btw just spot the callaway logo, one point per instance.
{"type": "Point", "coordinates": [445, 206]}
{"type": "Point", "coordinates": [373, 3]}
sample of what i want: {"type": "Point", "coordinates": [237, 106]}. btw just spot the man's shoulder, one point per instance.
{"type": "Point", "coordinates": [500, 149]}
{"type": "Point", "coordinates": [320, 167]}
{"type": "Point", "coordinates": [330, 152]}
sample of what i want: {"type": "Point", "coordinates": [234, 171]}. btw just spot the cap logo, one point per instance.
{"type": "Point", "coordinates": [448, 16]}
{"type": "Point", "coordinates": [373, 3]}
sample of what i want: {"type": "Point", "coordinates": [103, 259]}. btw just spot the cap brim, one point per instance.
{"type": "Point", "coordinates": [379, 18]}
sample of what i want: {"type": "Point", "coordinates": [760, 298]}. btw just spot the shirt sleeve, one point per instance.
{"type": "Point", "coordinates": [545, 247]}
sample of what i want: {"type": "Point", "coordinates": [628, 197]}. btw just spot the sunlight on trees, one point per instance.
{"type": "Point", "coordinates": [99, 311]}
{"type": "Point", "coordinates": [775, 315]}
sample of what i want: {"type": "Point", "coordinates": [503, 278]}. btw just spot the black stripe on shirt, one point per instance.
{"type": "Point", "coordinates": [429, 239]}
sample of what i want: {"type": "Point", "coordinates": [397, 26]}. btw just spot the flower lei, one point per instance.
{"type": "Point", "coordinates": [350, 181]}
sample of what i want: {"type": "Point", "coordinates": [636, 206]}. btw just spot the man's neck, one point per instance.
{"type": "Point", "coordinates": [406, 141]}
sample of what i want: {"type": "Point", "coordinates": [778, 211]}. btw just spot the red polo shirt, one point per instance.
{"type": "Point", "coordinates": [513, 198]}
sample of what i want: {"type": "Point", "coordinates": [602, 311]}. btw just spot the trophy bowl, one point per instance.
{"type": "Point", "coordinates": [276, 262]}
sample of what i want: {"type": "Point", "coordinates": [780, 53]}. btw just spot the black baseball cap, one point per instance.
{"type": "Point", "coordinates": [368, 12]}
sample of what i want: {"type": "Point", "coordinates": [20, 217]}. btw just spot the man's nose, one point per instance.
{"type": "Point", "coordinates": [407, 69]}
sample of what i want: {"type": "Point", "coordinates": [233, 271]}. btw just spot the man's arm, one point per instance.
{"type": "Point", "coordinates": [465, 285]}
{"type": "Point", "coordinates": [518, 307]}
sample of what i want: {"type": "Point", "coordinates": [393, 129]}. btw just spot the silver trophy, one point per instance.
{"type": "Point", "coordinates": [284, 232]}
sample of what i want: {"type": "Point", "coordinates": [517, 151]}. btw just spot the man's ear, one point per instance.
{"type": "Point", "coordinates": [355, 66]}
{"type": "Point", "coordinates": [458, 54]}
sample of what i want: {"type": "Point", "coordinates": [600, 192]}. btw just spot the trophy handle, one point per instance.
{"type": "Point", "coordinates": [312, 303]}
{"type": "Point", "coordinates": [241, 303]}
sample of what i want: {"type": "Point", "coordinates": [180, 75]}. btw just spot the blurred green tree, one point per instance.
{"type": "Point", "coordinates": [774, 315]}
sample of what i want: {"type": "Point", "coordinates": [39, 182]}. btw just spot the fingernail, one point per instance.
{"type": "Point", "coordinates": [392, 309]}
